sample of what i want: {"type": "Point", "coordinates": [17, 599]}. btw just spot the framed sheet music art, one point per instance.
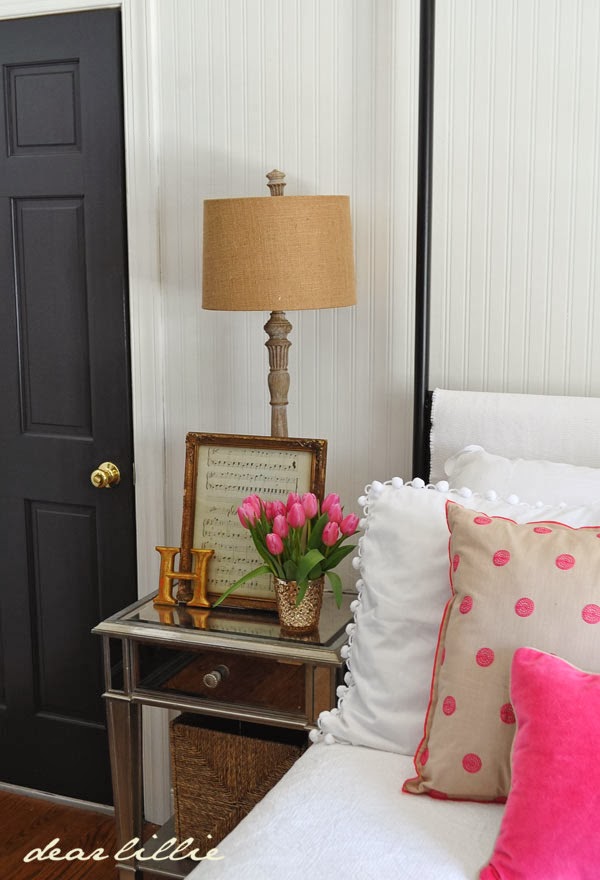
{"type": "Point", "coordinates": [220, 471]}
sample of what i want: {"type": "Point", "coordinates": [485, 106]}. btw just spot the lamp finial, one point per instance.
{"type": "Point", "coordinates": [276, 182]}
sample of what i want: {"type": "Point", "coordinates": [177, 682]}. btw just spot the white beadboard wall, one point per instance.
{"type": "Point", "coordinates": [326, 91]}
{"type": "Point", "coordinates": [516, 273]}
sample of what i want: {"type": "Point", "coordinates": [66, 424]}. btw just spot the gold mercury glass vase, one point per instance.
{"type": "Point", "coordinates": [302, 618]}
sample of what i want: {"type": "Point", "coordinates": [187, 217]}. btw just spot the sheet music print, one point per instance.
{"type": "Point", "coordinates": [226, 475]}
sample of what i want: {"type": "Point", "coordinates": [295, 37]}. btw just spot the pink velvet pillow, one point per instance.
{"type": "Point", "coordinates": [550, 827]}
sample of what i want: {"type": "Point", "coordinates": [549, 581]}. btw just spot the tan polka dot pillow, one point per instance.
{"type": "Point", "coordinates": [535, 585]}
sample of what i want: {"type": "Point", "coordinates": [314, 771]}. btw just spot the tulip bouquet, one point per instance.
{"type": "Point", "coordinates": [299, 540]}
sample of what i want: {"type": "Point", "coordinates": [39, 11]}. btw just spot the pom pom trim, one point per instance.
{"type": "Point", "coordinates": [372, 492]}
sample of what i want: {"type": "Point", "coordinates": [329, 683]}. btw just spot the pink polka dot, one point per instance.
{"type": "Point", "coordinates": [472, 763]}
{"type": "Point", "coordinates": [565, 561]}
{"type": "Point", "coordinates": [524, 606]}
{"type": "Point", "coordinates": [501, 557]}
{"type": "Point", "coordinates": [542, 530]}
{"type": "Point", "coordinates": [466, 605]}
{"type": "Point", "coordinates": [449, 706]}
{"type": "Point", "coordinates": [482, 520]}
{"type": "Point", "coordinates": [455, 562]}
{"type": "Point", "coordinates": [507, 713]}
{"type": "Point", "coordinates": [591, 613]}
{"type": "Point", "coordinates": [484, 657]}
{"type": "Point", "coordinates": [424, 757]}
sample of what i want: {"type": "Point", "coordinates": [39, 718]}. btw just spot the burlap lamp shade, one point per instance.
{"type": "Point", "coordinates": [276, 255]}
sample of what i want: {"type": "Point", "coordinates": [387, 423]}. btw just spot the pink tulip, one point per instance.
{"type": "Point", "coordinates": [296, 516]}
{"type": "Point", "coordinates": [293, 498]}
{"type": "Point", "coordinates": [269, 511]}
{"type": "Point", "coordinates": [331, 533]}
{"type": "Point", "coordinates": [331, 499]}
{"type": "Point", "coordinates": [247, 515]}
{"type": "Point", "coordinates": [255, 502]}
{"type": "Point", "coordinates": [280, 526]}
{"type": "Point", "coordinates": [274, 544]}
{"type": "Point", "coordinates": [310, 505]}
{"type": "Point", "coordinates": [349, 524]}
{"type": "Point", "coordinates": [275, 508]}
{"type": "Point", "coordinates": [335, 513]}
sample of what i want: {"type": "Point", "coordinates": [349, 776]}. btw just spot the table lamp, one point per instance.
{"type": "Point", "coordinates": [278, 254]}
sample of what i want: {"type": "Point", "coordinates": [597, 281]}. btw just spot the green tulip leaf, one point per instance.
{"type": "Point", "coordinates": [317, 532]}
{"type": "Point", "coordinates": [262, 550]}
{"type": "Point", "coordinates": [290, 569]}
{"type": "Point", "coordinates": [336, 557]}
{"type": "Point", "coordinates": [336, 586]}
{"type": "Point", "coordinates": [306, 565]}
{"type": "Point", "coordinates": [262, 569]}
{"type": "Point", "coordinates": [301, 592]}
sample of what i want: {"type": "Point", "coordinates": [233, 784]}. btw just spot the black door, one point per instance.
{"type": "Point", "coordinates": [66, 548]}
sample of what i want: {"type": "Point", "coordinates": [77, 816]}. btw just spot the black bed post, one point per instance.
{"type": "Point", "coordinates": [423, 261]}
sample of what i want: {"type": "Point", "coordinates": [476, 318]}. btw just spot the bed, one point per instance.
{"type": "Point", "coordinates": [338, 813]}
{"type": "Point", "coordinates": [341, 811]}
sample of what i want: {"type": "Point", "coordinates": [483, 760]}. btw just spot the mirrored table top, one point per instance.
{"type": "Point", "coordinates": [223, 627]}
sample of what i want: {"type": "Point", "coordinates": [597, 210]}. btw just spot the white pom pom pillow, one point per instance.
{"type": "Point", "coordinates": [553, 481]}
{"type": "Point", "coordinates": [402, 591]}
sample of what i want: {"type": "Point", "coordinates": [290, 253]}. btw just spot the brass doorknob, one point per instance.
{"type": "Point", "coordinates": [106, 475]}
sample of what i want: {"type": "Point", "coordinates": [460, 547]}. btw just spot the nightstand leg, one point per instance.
{"type": "Point", "coordinates": [323, 690]}
{"type": "Point", "coordinates": [125, 742]}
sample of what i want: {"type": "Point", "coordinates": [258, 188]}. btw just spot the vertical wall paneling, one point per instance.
{"type": "Point", "coordinates": [516, 192]}
{"type": "Point", "coordinates": [147, 311]}
{"type": "Point", "coordinates": [326, 92]}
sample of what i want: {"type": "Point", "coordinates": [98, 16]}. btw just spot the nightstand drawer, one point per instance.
{"type": "Point", "coordinates": [224, 677]}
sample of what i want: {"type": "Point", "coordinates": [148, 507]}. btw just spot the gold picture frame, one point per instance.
{"type": "Point", "coordinates": [220, 471]}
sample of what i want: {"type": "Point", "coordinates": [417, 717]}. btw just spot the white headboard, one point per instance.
{"type": "Point", "coordinates": [515, 425]}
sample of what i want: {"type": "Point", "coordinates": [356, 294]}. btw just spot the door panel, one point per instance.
{"type": "Point", "coordinates": [42, 106]}
{"type": "Point", "coordinates": [58, 532]}
{"type": "Point", "coordinates": [51, 296]}
{"type": "Point", "coordinates": [68, 549]}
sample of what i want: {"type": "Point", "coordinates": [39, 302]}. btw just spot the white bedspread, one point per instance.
{"type": "Point", "coordinates": [339, 813]}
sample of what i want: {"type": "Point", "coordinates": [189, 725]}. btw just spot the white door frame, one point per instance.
{"type": "Point", "coordinates": [145, 306]}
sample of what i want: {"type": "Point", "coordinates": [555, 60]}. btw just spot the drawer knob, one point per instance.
{"type": "Point", "coordinates": [212, 679]}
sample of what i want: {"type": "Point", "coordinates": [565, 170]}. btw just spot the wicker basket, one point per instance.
{"type": "Point", "coordinates": [221, 768]}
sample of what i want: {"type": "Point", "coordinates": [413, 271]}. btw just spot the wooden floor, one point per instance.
{"type": "Point", "coordinates": [27, 822]}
